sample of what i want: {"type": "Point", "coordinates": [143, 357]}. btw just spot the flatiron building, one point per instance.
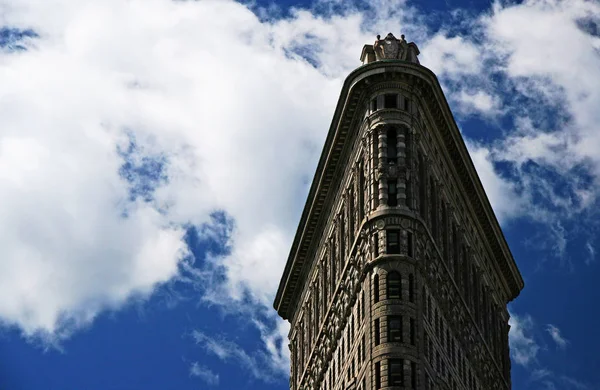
{"type": "Point", "coordinates": [399, 274]}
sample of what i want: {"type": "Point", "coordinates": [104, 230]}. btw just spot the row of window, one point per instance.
{"type": "Point", "coordinates": [393, 287]}
{"type": "Point", "coordinates": [394, 330]}
{"type": "Point", "coordinates": [461, 264]}
{"type": "Point", "coordinates": [392, 242]}
{"type": "Point", "coordinates": [390, 100]}
{"type": "Point", "coordinates": [448, 345]}
{"type": "Point", "coordinates": [395, 374]}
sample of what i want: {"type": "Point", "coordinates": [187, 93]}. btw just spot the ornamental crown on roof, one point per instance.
{"type": "Point", "coordinates": [390, 48]}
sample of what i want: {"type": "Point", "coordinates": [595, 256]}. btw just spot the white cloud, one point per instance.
{"type": "Point", "coordinates": [204, 373]}
{"type": "Point", "coordinates": [505, 200]}
{"type": "Point", "coordinates": [257, 363]}
{"type": "Point", "coordinates": [238, 113]}
{"type": "Point", "coordinates": [523, 347]}
{"type": "Point", "coordinates": [554, 332]}
{"type": "Point", "coordinates": [478, 102]}
{"type": "Point", "coordinates": [228, 103]}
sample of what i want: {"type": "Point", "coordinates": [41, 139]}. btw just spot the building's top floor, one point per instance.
{"type": "Point", "coordinates": [399, 64]}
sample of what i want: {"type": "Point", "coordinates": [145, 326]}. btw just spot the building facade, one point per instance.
{"type": "Point", "coordinates": [399, 274]}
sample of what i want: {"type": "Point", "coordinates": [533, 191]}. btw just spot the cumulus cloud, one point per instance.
{"type": "Point", "coordinates": [114, 140]}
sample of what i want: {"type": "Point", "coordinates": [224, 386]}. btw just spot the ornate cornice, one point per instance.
{"type": "Point", "coordinates": [344, 126]}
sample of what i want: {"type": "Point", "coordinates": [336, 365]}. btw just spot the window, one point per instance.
{"type": "Point", "coordinates": [394, 285]}
{"type": "Point", "coordinates": [413, 375]}
{"type": "Point", "coordinates": [392, 193]}
{"type": "Point", "coordinates": [376, 330]}
{"type": "Point", "coordinates": [392, 146]}
{"type": "Point", "coordinates": [411, 288]}
{"type": "Point", "coordinates": [412, 331]}
{"type": "Point", "coordinates": [395, 329]}
{"type": "Point", "coordinates": [376, 288]}
{"type": "Point", "coordinates": [377, 375]}
{"type": "Point", "coordinates": [390, 100]}
{"type": "Point", "coordinates": [363, 352]}
{"type": "Point", "coordinates": [406, 104]}
{"type": "Point", "coordinates": [374, 105]}
{"type": "Point", "coordinates": [393, 242]}
{"type": "Point", "coordinates": [376, 243]}
{"type": "Point", "coordinates": [409, 244]}
{"type": "Point", "coordinates": [396, 372]}
{"type": "Point", "coordinates": [362, 307]}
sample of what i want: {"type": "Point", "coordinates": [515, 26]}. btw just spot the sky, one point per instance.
{"type": "Point", "coordinates": [155, 156]}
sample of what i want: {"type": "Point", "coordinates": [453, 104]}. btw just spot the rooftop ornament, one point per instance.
{"type": "Point", "coordinates": [390, 48]}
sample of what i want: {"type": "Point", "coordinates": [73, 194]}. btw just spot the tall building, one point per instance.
{"type": "Point", "coordinates": [399, 274]}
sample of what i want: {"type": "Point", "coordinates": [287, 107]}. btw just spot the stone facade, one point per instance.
{"type": "Point", "coordinates": [399, 275]}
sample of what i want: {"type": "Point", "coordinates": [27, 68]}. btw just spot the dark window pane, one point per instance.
{"type": "Point", "coordinates": [395, 329]}
{"type": "Point", "coordinates": [390, 100]}
{"type": "Point", "coordinates": [393, 242]}
{"type": "Point", "coordinates": [394, 285]}
{"type": "Point", "coordinates": [396, 372]}
{"type": "Point", "coordinates": [392, 193]}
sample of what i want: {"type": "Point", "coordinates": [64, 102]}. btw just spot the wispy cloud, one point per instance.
{"type": "Point", "coordinates": [204, 373]}
{"type": "Point", "coordinates": [257, 363]}
{"type": "Point", "coordinates": [554, 332]}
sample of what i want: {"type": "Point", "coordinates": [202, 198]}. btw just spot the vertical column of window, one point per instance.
{"type": "Point", "coordinates": [332, 264]}
{"type": "Point", "coordinates": [392, 241]}
{"type": "Point", "coordinates": [394, 329]}
{"type": "Point", "coordinates": [325, 287]}
{"type": "Point", "coordinates": [392, 193]}
{"type": "Point", "coordinates": [381, 163]}
{"type": "Point", "coordinates": [434, 209]}
{"type": "Point", "coordinates": [401, 162]}
{"type": "Point", "coordinates": [377, 330]}
{"type": "Point", "coordinates": [422, 187]}
{"type": "Point", "coordinates": [376, 288]}
{"type": "Point", "coordinates": [351, 211]}
{"type": "Point", "coordinates": [363, 351]}
{"type": "Point", "coordinates": [392, 146]}
{"type": "Point", "coordinates": [465, 273]}
{"type": "Point", "coordinates": [444, 232]}
{"type": "Point", "coordinates": [395, 372]}
{"type": "Point", "coordinates": [374, 165]}
{"type": "Point", "coordinates": [394, 285]}
{"type": "Point", "coordinates": [411, 288]}
{"type": "Point", "coordinates": [361, 191]}
{"type": "Point", "coordinates": [377, 375]}
{"type": "Point", "coordinates": [317, 309]}
{"type": "Point", "coordinates": [455, 254]}
{"type": "Point", "coordinates": [409, 147]}
{"type": "Point", "coordinates": [342, 238]}
{"type": "Point", "coordinates": [362, 307]}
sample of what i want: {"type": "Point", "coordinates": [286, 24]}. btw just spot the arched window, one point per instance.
{"type": "Point", "coordinates": [394, 285]}
{"type": "Point", "coordinates": [411, 288]}
{"type": "Point", "coordinates": [376, 289]}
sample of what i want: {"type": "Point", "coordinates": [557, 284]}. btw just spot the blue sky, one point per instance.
{"type": "Point", "coordinates": [155, 156]}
